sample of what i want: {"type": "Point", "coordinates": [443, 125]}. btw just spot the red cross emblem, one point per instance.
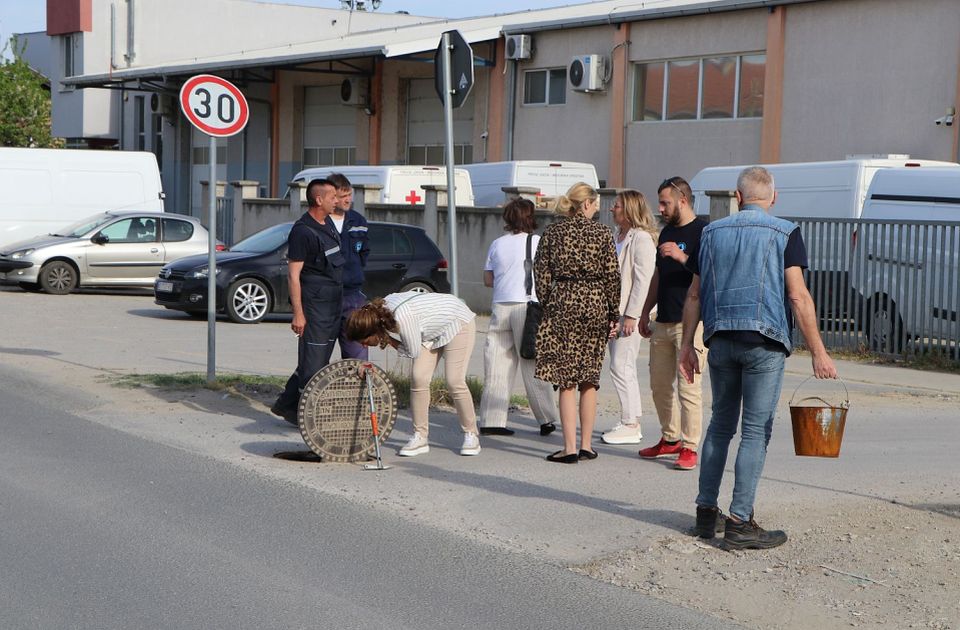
{"type": "Point", "coordinates": [413, 198]}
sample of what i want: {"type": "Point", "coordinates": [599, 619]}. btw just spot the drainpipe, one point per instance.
{"type": "Point", "coordinates": [511, 108]}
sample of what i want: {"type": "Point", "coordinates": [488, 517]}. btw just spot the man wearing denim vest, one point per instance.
{"type": "Point", "coordinates": [749, 271]}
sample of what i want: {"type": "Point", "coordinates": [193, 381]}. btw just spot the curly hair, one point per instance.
{"type": "Point", "coordinates": [372, 320]}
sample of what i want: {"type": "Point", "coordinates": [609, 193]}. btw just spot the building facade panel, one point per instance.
{"type": "Point", "coordinates": [869, 77]}
{"type": "Point", "coordinates": [576, 129]}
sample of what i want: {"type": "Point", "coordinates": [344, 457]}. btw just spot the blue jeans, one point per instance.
{"type": "Point", "coordinates": [748, 376]}
{"type": "Point", "coordinates": [352, 300]}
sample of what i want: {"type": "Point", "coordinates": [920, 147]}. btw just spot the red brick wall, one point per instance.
{"type": "Point", "coordinates": [69, 16]}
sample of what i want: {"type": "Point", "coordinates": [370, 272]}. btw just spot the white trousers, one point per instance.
{"type": "Point", "coordinates": [501, 360]}
{"type": "Point", "coordinates": [623, 371]}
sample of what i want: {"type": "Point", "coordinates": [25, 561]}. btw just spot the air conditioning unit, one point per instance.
{"type": "Point", "coordinates": [587, 73]}
{"type": "Point", "coordinates": [519, 47]}
{"type": "Point", "coordinates": [353, 91]}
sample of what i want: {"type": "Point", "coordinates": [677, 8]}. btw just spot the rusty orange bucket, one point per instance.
{"type": "Point", "coordinates": [818, 429]}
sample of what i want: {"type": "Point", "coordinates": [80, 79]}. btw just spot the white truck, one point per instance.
{"type": "Point", "coordinates": [551, 177]}
{"type": "Point", "coordinates": [906, 261]}
{"type": "Point", "coordinates": [834, 189]}
{"type": "Point", "coordinates": [400, 184]}
{"type": "Point", "coordinates": [42, 190]}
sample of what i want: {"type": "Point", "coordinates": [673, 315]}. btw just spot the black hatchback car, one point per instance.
{"type": "Point", "coordinates": [252, 275]}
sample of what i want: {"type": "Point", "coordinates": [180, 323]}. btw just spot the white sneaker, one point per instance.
{"type": "Point", "coordinates": [471, 444]}
{"type": "Point", "coordinates": [623, 434]}
{"type": "Point", "coordinates": [416, 446]}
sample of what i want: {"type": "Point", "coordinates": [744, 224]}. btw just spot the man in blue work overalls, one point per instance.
{"type": "Point", "coordinates": [352, 227]}
{"type": "Point", "coordinates": [315, 270]}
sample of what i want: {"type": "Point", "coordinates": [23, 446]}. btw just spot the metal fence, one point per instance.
{"type": "Point", "coordinates": [887, 287]}
{"type": "Point", "coordinates": [225, 220]}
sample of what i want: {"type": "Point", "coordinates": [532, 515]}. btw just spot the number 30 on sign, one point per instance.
{"type": "Point", "coordinates": [214, 105]}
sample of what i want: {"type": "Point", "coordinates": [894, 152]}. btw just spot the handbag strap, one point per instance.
{"type": "Point", "coordinates": [528, 267]}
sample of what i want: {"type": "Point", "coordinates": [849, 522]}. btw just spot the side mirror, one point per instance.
{"type": "Point", "coordinates": [100, 239]}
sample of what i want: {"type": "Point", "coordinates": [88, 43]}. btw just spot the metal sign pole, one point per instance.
{"type": "Point", "coordinates": [212, 269]}
{"type": "Point", "coordinates": [451, 188]}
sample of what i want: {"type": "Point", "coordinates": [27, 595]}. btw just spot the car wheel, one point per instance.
{"type": "Point", "coordinates": [248, 301]}
{"type": "Point", "coordinates": [416, 287]}
{"type": "Point", "coordinates": [884, 326]}
{"type": "Point", "coordinates": [30, 286]}
{"type": "Point", "coordinates": [58, 277]}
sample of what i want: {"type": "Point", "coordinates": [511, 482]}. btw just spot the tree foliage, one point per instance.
{"type": "Point", "coordinates": [25, 114]}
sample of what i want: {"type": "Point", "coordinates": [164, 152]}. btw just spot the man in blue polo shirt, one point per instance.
{"type": "Point", "coordinates": [352, 227]}
{"type": "Point", "coordinates": [747, 280]}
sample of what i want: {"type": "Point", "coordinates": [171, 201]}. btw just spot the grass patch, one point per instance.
{"type": "Point", "coordinates": [267, 388]}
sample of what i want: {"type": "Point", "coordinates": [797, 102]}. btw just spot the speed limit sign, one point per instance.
{"type": "Point", "coordinates": [214, 105]}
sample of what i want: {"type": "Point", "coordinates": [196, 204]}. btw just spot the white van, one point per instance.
{"type": "Point", "coordinates": [551, 177]}
{"type": "Point", "coordinates": [834, 190]}
{"type": "Point", "coordinates": [907, 272]}
{"type": "Point", "coordinates": [42, 190]}
{"type": "Point", "coordinates": [401, 184]}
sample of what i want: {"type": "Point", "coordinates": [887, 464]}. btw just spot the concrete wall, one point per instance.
{"type": "Point", "coordinates": [476, 229]}
{"type": "Point", "coordinates": [869, 77]}
{"type": "Point", "coordinates": [578, 130]}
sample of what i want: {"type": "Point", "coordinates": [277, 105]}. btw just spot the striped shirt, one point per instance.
{"type": "Point", "coordinates": [426, 320]}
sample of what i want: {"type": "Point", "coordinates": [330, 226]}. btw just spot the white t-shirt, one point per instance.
{"type": "Point", "coordinates": [338, 221]}
{"type": "Point", "coordinates": [505, 259]}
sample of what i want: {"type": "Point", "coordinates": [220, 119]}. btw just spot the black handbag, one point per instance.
{"type": "Point", "coordinates": [531, 322]}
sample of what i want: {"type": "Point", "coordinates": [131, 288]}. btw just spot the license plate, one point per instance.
{"type": "Point", "coordinates": [164, 287]}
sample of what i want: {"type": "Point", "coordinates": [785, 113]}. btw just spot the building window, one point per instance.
{"type": "Point", "coordinates": [329, 156]}
{"type": "Point", "coordinates": [69, 61]}
{"type": "Point", "coordinates": [139, 129]}
{"type": "Point", "coordinates": [435, 154]}
{"type": "Point", "coordinates": [699, 89]}
{"type": "Point", "coordinates": [545, 87]}
{"type": "Point", "coordinates": [201, 155]}
{"type": "Point", "coordinates": [158, 139]}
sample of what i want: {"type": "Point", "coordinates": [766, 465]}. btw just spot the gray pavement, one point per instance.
{"type": "Point", "coordinates": [900, 445]}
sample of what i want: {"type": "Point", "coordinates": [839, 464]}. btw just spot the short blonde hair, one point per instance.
{"type": "Point", "coordinates": [572, 202]}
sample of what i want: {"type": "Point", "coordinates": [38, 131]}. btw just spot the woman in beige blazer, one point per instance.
{"type": "Point", "coordinates": [636, 241]}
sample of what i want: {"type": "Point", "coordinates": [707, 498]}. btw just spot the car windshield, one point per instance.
{"type": "Point", "coordinates": [265, 240]}
{"type": "Point", "coordinates": [78, 229]}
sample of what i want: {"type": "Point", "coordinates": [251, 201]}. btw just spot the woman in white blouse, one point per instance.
{"type": "Point", "coordinates": [636, 241]}
{"type": "Point", "coordinates": [507, 272]}
{"type": "Point", "coordinates": [425, 327]}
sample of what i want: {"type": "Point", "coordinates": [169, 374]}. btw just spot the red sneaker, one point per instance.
{"type": "Point", "coordinates": [687, 460]}
{"type": "Point", "coordinates": [662, 449]}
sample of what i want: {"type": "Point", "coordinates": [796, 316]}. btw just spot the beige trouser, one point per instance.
{"type": "Point", "coordinates": [501, 360]}
{"type": "Point", "coordinates": [680, 411]}
{"type": "Point", "coordinates": [455, 355]}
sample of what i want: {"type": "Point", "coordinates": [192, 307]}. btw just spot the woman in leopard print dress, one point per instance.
{"type": "Point", "coordinates": [578, 282]}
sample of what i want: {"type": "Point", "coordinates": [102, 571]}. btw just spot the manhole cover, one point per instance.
{"type": "Point", "coordinates": [334, 412]}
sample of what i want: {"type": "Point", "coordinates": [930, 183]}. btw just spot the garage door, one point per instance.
{"type": "Point", "coordinates": [425, 131]}
{"type": "Point", "coordinates": [329, 128]}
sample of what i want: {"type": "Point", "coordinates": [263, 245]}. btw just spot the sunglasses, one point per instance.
{"type": "Point", "coordinates": [669, 182]}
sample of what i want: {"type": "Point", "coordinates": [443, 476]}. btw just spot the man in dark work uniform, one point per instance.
{"type": "Point", "coordinates": [315, 270]}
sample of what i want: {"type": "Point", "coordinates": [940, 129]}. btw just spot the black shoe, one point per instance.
{"type": "Point", "coordinates": [290, 415]}
{"type": "Point", "coordinates": [548, 428]}
{"type": "Point", "coordinates": [560, 458]}
{"type": "Point", "coordinates": [583, 454]}
{"type": "Point", "coordinates": [749, 535]}
{"type": "Point", "coordinates": [496, 431]}
{"type": "Point", "coordinates": [710, 521]}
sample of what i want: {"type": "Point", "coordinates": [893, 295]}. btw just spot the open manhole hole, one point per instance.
{"type": "Point", "coordinates": [334, 413]}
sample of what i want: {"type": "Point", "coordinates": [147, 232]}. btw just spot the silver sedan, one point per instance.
{"type": "Point", "coordinates": [110, 249]}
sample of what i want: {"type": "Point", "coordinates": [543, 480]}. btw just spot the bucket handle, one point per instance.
{"type": "Point", "coordinates": [844, 405]}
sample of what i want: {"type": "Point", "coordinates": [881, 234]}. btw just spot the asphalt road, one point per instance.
{"type": "Point", "coordinates": [104, 529]}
